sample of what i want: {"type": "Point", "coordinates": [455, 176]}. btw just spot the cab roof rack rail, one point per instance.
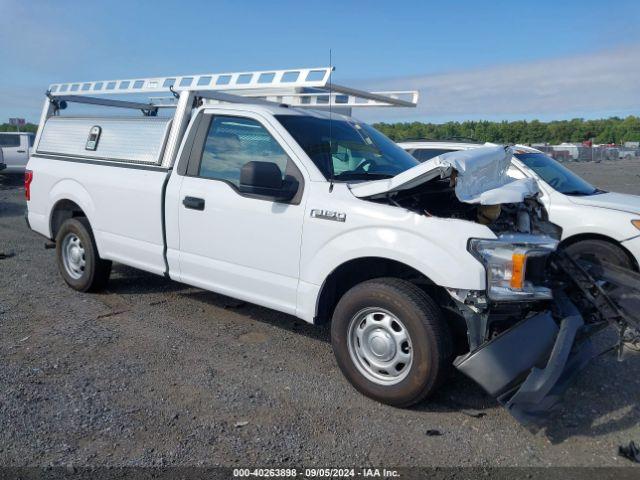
{"type": "Point", "coordinates": [302, 87]}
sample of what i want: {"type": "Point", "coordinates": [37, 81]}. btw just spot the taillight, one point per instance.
{"type": "Point", "coordinates": [28, 178]}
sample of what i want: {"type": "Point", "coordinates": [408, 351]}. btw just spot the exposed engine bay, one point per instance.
{"type": "Point", "coordinates": [471, 185]}
{"type": "Point", "coordinates": [437, 198]}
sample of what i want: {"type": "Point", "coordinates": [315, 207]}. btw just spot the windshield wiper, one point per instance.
{"type": "Point", "coordinates": [362, 175]}
{"type": "Point", "coordinates": [582, 192]}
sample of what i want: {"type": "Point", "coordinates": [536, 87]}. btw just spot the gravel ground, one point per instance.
{"type": "Point", "coordinates": [153, 372]}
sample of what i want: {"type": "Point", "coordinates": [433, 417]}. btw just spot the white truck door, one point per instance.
{"type": "Point", "coordinates": [232, 241]}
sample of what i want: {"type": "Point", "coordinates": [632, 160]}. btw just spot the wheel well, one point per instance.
{"type": "Point", "coordinates": [63, 210]}
{"type": "Point", "coordinates": [359, 270]}
{"type": "Point", "coordinates": [594, 236]}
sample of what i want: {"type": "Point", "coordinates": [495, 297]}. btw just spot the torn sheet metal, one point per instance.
{"type": "Point", "coordinates": [403, 181]}
{"type": "Point", "coordinates": [481, 177]}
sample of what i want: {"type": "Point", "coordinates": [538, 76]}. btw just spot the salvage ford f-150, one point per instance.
{"type": "Point", "coordinates": [258, 189]}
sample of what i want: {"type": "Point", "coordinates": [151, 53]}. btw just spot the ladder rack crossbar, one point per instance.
{"type": "Point", "coordinates": [293, 78]}
{"type": "Point", "coordinates": [299, 100]}
{"type": "Point", "coordinates": [326, 99]}
{"type": "Point", "coordinates": [105, 102]}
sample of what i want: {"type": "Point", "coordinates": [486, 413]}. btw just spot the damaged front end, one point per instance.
{"type": "Point", "coordinates": [529, 332]}
{"type": "Point", "coordinates": [471, 185]}
{"type": "Point", "coordinates": [527, 365]}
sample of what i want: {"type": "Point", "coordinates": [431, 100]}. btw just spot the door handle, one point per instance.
{"type": "Point", "coordinates": [21, 151]}
{"type": "Point", "coordinates": [194, 203]}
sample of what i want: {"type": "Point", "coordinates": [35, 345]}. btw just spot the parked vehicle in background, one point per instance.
{"type": "Point", "coordinates": [595, 223]}
{"type": "Point", "coordinates": [16, 147]}
{"type": "Point", "coordinates": [627, 153]}
{"type": "Point", "coordinates": [253, 189]}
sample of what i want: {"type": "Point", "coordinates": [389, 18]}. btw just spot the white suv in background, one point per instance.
{"type": "Point", "coordinates": [594, 222]}
{"type": "Point", "coordinates": [15, 147]}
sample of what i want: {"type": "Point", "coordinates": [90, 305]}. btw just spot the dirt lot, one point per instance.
{"type": "Point", "coordinates": [153, 372]}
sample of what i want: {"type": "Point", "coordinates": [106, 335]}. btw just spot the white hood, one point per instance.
{"type": "Point", "coordinates": [482, 177]}
{"type": "Point", "coordinates": [614, 201]}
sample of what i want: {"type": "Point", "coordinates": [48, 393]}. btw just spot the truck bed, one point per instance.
{"type": "Point", "coordinates": [120, 190]}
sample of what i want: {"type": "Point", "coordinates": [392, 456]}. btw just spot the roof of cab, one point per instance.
{"type": "Point", "coordinates": [281, 109]}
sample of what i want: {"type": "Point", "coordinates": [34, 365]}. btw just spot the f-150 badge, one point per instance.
{"type": "Point", "coordinates": [328, 215]}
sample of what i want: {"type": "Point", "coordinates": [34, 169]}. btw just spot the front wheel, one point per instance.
{"type": "Point", "coordinates": [597, 251]}
{"type": "Point", "coordinates": [391, 341]}
{"type": "Point", "coordinates": [78, 260]}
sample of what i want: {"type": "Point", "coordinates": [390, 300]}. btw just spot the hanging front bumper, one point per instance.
{"type": "Point", "coordinates": [528, 367]}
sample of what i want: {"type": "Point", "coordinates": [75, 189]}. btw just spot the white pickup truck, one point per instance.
{"type": "Point", "coordinates": [16, 147]}
{"type": "Point", "coordinates": [256, 188]}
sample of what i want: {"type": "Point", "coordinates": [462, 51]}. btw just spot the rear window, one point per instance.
{"type": "Point", "coordinates": [424, 154]}
{"type": "Point", "coordinates": [9, 140]}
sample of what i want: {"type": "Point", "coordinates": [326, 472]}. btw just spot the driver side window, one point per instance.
{"type": "Point", "coordinates": [232, 142]}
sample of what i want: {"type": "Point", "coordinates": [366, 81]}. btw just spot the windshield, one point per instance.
{"type": "Point", "coordinates": [357, 151]}
{"type": "Point", "coordinates": [558, 177]}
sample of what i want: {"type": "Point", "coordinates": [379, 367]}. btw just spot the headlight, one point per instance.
{"type": "Point", "coordinates": [505, 260]}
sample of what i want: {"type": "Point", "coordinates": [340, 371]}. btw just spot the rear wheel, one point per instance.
{"type": "Point", "coordinates": [597, 251]}
{"type": "Point", "coordinates": [78, 260]}
{"type": "Point", "coordinates": [391, 341]}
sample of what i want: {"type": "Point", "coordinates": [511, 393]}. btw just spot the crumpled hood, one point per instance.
{"type": "Point", "coordinates": [482, 177]}
{"type": "Point", "coordinates": [616, 201]}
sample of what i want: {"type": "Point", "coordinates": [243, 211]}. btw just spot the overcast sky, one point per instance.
{"type": "Point", "coordinates": [470, 60]}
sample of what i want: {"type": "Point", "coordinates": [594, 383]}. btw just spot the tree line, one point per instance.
{"type": "Point", "coordinates": [29, 127]}
{"type": "Point", "coordinates": [610, 130]}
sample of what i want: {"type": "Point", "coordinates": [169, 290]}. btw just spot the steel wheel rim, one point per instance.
{"type": "Point", "coordinates": [380, 346]}
{"type": "Point", "coordinates": [73, 256]}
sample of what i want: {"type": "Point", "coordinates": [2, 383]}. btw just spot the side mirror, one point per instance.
{"type": "Point", "coordinates": [265, 179]}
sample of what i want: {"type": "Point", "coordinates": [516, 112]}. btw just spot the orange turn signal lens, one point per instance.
{"type": "Point", "coordinates": [636, 223]}
{"type": "Point", "coordinates": [517, 272]}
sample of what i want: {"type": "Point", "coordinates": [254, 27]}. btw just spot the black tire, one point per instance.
{"type": "Point", "coordinates": [94, 274]}
{"type": "Point", "coordinates": [599, 251]}
{"type": "Point", "coordinates": [431, 339]}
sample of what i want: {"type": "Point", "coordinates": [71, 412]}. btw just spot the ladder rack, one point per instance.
{"type": "Point", "coordinates": [302, 87]}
